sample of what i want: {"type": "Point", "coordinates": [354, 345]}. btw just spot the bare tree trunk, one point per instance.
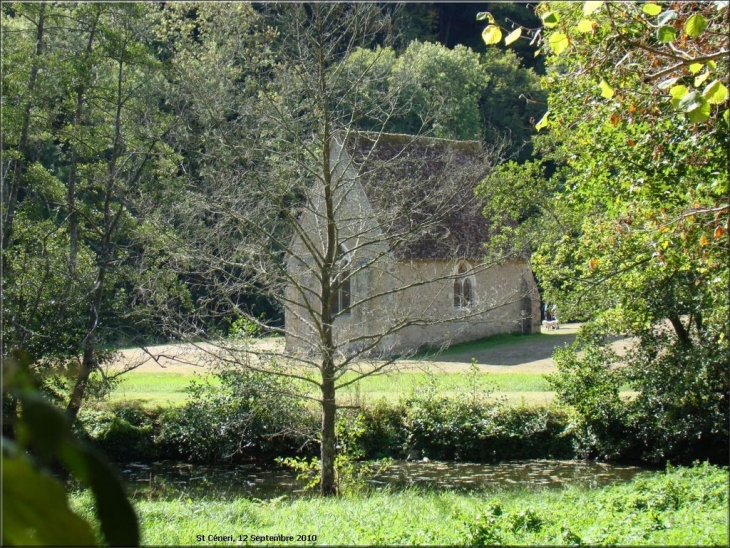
{"type": "Point", "coordinates": [328, 484]}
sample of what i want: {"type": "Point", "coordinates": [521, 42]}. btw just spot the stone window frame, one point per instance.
{"type": "Point", "coordinates": [464, 287]}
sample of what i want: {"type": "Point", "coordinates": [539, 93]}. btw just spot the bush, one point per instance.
{"type": "Point", "coordinates": [251, 414]}
{"type": "Point", "coordinates": [679, 413]}
{"type": "Point", "coordinates": [121, 431]}
{"type": "Point", "coordinates": [383, 433]}
{"type": "Point", "coordinates": [469, 427]}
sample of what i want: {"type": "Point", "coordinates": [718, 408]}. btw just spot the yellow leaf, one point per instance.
{"type": "Point", "coordinates": [590, 7]}
{"type": "Point", "coordinates": [491, 35]}
{"type": "Point", "coordinates": [559, 42]}
{"type": "Point", "coordinates": [512, 36]}
{"type": "Point", "coordinates": [694, 68]}
{"type": "Point", "coordinates": [704, 240]}
{"type": "Point", "coordinates": [592, 264]}
{"type": "Point", "coordinates": [651, 9]}
{"type": "Point", "coordinates": [699, 80]}
{"type": "Point", "coordinates": [586, 25]}
{"type": "Point", "coordinates": [606, 90]}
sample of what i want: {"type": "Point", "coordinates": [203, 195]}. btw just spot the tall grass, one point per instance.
{"type": "Point", "coordinates": [681, 506]}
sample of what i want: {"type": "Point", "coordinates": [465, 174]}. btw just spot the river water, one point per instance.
{"type": "Point", "coordinates": [174, 479]}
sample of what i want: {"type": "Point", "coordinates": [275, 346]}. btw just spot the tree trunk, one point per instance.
{"type": "Point", "coordinates": [679, 329]}
{"type": "Point", "coordinates": [328, 483]}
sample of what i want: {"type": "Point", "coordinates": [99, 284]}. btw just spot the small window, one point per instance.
{"type": "Point", "coordinates": [463, 288]}
{"type": "Point", "coordinates": [341, 286]}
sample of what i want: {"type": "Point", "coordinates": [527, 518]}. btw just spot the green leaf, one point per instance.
{"type": "Point", "coordinates": [701, 113]}
{"type": "Point", "coordinates": [715, 93]}
{"type": "Point", "coordinates": [695, 25]}
{"type": "Point", "coordinates": [43, 425]}
{"type": "Point", "coordinates": [590, 7]}
{"type": "Point", "coordinates": [550, 19]}
{"type": "Point", "coordinates": [606, 90]}
{"type": "Point", "coordinates": [691, 101]}
{"type": "Point", "coordinates": [512, 36]}
{"type": "Point", "coordinates": [694, 68]}
{"type": "Point", "coordinates": [491, 35]}
{"type": "Point", "coordinates": [116, 514]}
{"type": "Point", "coordinates": [651, 9]}
{"type": "Point", "coordinates": [543, 122]}
{"type": "Point", "coordinates": [726, 117]}
{"type": "Point", "coordinates": [585, 25]}
{"type": "Point", "coordinates": [666, 34]}
{"type": "Point", "coordinates": [36, 511]}
{"type": "Point", "coordinates": [559, 42]}
{"type": "Point", "coordinates": [677, 93]}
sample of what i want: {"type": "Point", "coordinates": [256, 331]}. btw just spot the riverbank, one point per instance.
{"type": "Point", "coordinates": [682, 506]}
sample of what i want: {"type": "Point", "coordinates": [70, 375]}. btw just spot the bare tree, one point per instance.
{"type": "Point", "coordinates": [370, 242]}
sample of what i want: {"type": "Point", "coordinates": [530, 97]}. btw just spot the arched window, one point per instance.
{"type": "Point", "coordinates": [463, 287]}
{"type": "Point", "coordinates": [341, 285]}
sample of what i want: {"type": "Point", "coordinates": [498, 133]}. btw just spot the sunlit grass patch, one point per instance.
{"type": "Point", "coordinates": [156, 388]}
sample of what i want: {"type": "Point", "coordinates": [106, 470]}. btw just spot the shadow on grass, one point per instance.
{"type": "Point", "coordinates": [503, 349]}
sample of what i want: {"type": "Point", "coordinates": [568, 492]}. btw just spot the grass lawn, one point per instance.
{"type": "Point", "coordinates": [165, 387]}
{"type": "Point", "coordinates": [155, 388]}
{"type": "Point", "coordinates": [683, 506]}
{"type": "Point", "coordinates": [170, 388]}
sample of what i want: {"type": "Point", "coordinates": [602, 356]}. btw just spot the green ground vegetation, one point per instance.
{"type": "Point", "coordinates": [162, 388]}
{"type": "Point", "coordinates": [156, 389]}
{"type": "Point", "coordinates": [680, 506]}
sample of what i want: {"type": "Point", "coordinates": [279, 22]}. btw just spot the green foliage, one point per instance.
{"type": "Point", "coordinates": [249, 414]}
{"type": "Point", "coordinates": [473, 427]}
{"type": "Point", "coordinates": [647, 510]}
{"type": "Point", "coordinates": [122, 432]}
{"type": "Point", "coordinates": [39, 513]}
{"type": "Point", "coordinates": [677, 413]}
{"type": "Point", "coordinates": [681, 507]}
{"type": "Point", "coordinates": [630, 219]}
{"type": "Point", "coordinates": [450, 93]}
{"type": "Point", "coordinates": [87, 168]}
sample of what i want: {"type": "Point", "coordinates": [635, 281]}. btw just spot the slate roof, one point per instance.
{"type": "Point", "coordinates": [422, 190]}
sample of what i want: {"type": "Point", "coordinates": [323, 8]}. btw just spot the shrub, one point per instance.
{"type": "Point", "coordinates": [679, 413]}
{"type": "Point", "coordinates": [122, 431]}
{"type": "Point", "coordinates": [251, 414]}
{"type": "Point", "coordinates": [383, 433]}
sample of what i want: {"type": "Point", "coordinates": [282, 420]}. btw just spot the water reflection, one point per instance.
{"type": "Point", "coordinates": [167, 479]}
{"type": "Point", "coordinates": [529, 474]}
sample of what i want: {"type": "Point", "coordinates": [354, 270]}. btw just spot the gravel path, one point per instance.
{"type": "Point", "coordinates": [528, 355]}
